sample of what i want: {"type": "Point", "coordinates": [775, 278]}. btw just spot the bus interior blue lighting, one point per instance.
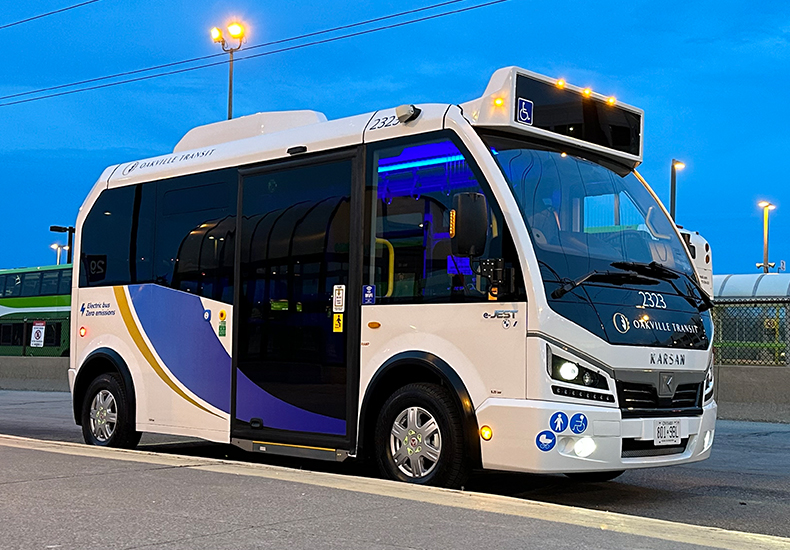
{"type": "Point", "coordinates": [415, 171]}
{"type": "Point", "coordinates": [420, 163]}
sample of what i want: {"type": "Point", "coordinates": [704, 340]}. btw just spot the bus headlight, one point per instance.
{"type": "Point", "coordinates": [568, 371]}
{"type": "Point", "coordinates": [573, 373]}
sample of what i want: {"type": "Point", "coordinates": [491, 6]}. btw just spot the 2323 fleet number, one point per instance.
{"type": "Point", "coordinates": [652, 299]}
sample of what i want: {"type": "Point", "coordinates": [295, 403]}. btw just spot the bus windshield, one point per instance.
{"type": "Point", "coordinates": [582, 216]}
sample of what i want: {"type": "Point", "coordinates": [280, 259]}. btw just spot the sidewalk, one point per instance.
{"type": "Point", "coordinates": [63, 495]}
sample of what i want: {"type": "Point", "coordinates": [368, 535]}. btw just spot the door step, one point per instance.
{"type": "Point", "coordinates": [285, 449]}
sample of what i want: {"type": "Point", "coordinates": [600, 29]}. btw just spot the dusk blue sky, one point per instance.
{"type": "Point", "coordinates": [710, 75]}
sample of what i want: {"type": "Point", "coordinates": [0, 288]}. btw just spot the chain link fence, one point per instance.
{"type": "Point", "coordinates": [48, 337]}
{"type": "Point", "coordinates": [751, 331]}
{"type": "Point", "coordinates": [748, 331]}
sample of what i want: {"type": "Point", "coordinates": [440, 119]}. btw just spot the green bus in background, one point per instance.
{"type": "Point", "coordinates": [29, 297]}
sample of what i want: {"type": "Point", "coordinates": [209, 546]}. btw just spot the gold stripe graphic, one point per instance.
{"type": "Point", "coordinates": [134, 332]}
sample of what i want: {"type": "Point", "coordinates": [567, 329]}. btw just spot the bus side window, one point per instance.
{"type": "Point", "coordinates": [194, 236]}
{"type": "Point", "coordinates": [11, 334]}
{"type": "Point", "coordinates": [13, 286]}
{"type": "Point", "coordinates": [52, 334]}
{"type": "Point", "coordinates": [176, 232]}
{"type": "Point", "coordinates": [5, 334]}
{"type": "Point", "coordinates": [49, 283]}
{"type": "Point", "coordinates": [409, 197]}
{"type": "Point", "coordinates": [106, 235]}
{"type": "Point", "coordinates": [65, 283]}
{"type": "Point", "coordinates": [31, 284]}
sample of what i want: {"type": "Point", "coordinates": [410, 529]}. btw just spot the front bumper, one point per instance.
{"type": "Point", "coordinates": [518, 425]}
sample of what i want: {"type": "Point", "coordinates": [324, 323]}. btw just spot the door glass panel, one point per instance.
{"type": "Point", "coordinates": [295, 250]}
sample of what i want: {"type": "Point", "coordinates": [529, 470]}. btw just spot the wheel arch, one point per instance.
{"type": "Point", "coordinates": [406, 368]}
{"type": "Point", "coordinates": [102, 361]}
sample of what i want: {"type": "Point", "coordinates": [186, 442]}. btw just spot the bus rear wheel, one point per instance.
{"type": "Point", "coordinates": [419, 437]}
{"type": "Point", "coordinates": [106, 416]}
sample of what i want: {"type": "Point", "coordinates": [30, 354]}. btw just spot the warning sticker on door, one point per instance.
{"type": "Point", "coordinates": [337, 323]}
{"type": "Point", "coordinates": [339, 299]}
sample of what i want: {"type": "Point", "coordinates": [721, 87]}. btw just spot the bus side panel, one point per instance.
{"type": "Point", "coordinates": [177, 348]}
{"type": "Point", "coordinates": [485, 343]}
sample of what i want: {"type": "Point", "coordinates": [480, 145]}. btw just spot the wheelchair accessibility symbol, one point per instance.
{"type": "Point", "coordinates": [524, 113]}
{"type": "Point", "coordinates": [578, 423]}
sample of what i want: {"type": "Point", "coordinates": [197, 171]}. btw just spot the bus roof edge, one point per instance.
{"type": "Point", "coordinates": [246, 127]}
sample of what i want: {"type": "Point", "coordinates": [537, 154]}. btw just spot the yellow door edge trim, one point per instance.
{"type": "Point", "coordinates": [293, 446]}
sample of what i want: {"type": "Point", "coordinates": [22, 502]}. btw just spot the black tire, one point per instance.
{"type": "Point", "coordinates": [451, 465]}
{"type": "Point", "coordinates": [595, 477]}
{"type": "Point", "coordinates": [122, 432]}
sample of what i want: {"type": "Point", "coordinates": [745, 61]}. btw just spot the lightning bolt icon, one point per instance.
{"type": "Point", "coordinates": [82, 310]}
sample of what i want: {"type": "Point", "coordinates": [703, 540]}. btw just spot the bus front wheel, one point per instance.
{"type": "Point", "coordinates": [106, 418]}
{"type": "Point", "coordinates": [419, 437]}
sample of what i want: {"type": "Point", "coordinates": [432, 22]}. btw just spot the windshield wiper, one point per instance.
{"type": "Point", "coordinates": [614, 277]}
{"type": "Point", "coordinates": [655, 269]}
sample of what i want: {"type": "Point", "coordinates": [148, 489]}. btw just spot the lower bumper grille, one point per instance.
{"type": "Point", "coordinates": [639, 400]}
{"type": "Point", "coordinates": [634, 448]}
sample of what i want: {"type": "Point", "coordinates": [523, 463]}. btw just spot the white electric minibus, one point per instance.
{"type": "Point", "coordinates": [436, 287]}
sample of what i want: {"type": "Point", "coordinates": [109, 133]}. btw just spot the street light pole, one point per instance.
{"type": "Point", "coordinates": [676, 165]}
{"type": "Point", "coordinates": [230, 86]}
{"type": "Point", "coordinates": [236, 31]}
{"type": "Point", "coordinates": [767, 207]}
{"type": "Point", "coordinates": [70, 231]}
{"type": "Point", "coordinates": [57, 248]}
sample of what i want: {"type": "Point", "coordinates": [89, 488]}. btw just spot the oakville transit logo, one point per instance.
{"type": "Point", "coordinates": [623, 325]}
{"type": "Point", "coordinates": [166, 160]}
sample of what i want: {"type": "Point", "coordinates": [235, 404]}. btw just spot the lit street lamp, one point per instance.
{"type": "Point", "coordinates": [57, 248]}
{"type": "Point", "coordinates": [766, 206]}
{"type": "Point", "coordinates": [70, 231]}
{"type": "Point", "coordinates": [236, 31]}
{"type": "Point", "coordinates": [676, 165]}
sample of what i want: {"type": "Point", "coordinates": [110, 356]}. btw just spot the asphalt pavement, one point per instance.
{"type": "Point", "coordinates": [181, 493]}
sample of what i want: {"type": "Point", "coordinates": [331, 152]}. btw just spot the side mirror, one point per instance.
{"type": "Point", "coordinates": [469, 224]}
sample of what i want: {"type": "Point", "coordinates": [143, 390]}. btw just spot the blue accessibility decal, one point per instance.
{"type": "Point", "coordinates": [368, 294]}
{"type": "Point", "coordinates": [546, 440]}
{"type": "Point", "coordinates": [578, 423]}
{"type": "Point", "coordinates": [558, 422]}
{"type": "Point", "coordinates": [207, 315]}
{"type": "Point", "coordinates": [524, 113]}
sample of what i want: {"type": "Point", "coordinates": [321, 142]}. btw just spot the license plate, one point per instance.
{"type": "Point", "coordinates": [667, 432]}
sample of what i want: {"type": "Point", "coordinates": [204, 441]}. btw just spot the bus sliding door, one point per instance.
{"type": "Point", "coordinates": [296, 312]}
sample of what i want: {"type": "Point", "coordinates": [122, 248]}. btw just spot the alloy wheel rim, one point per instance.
{"type": "Point", "coordinates": [103, 415]}
{"type": "Point", "coordinates": [415, 442]}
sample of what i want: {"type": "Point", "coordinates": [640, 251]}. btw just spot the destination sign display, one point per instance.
{"type": "Point", "coordinates": [572, 113]}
